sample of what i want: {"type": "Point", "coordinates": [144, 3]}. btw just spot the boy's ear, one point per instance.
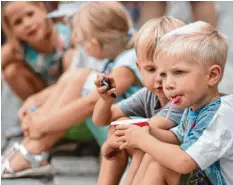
{"type": "Point", "coordinates": [95, 43]}
{"type": "Point", "coordinates": [138, 66]}
{"type": "Point", "coordinates": [215, 74]}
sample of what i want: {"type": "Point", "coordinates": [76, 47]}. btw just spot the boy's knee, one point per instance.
{"type": "Point", "coordinates": [10, 71]}
{"type": "Point", "coordinates": [158, 168]}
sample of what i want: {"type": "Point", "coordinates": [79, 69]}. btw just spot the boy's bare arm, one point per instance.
{"type": "Point", "coordinates": [169, 155]}
{"type": "Point", "coordinates": [159, 128]}
{"type": "Point", "coordinates": [104, 112]}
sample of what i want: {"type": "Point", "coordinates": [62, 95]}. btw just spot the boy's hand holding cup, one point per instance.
{"type": "Point", "coordinates": [106, 86]}
{"type": "Point", "coordinates": [129, 131]}
{"type": "Point", "coordinates": [137, 122]}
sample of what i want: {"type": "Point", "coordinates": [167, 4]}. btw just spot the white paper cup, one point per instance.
{"type": "Point", "coordinates": [138, 122]}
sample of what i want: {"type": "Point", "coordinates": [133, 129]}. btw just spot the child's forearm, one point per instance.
{"type": "Point", "coordinates": [41, 96]}
{"type": "Point", "coordinates": [102, 113]}
{"type": "Point", "coordinates": [169, 155]}
{"type": "Point", "coordinates": [159, 128]}
{"type": "Point", "coordinates": [73, 113]}
{"type": "Point", "coordinates": [165, 136]}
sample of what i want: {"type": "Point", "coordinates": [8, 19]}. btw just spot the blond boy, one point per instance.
{"type": "Point", "coordinates": [148, 102]}
{"type": "Point", "coordinates": [191, 62]}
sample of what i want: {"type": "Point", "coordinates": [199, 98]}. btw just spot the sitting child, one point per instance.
{"type": "Point", "coordinates": [146, 103]}
{"type": "Point", "coordinates": [32, 58]}
{"type": "Point", "coordinates": [191, 62]}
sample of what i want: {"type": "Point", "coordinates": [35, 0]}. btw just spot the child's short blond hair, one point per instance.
{"type": "Point", "coordinates": [151, 32]}
{"type": "Point", "coordinates": [196, 42]}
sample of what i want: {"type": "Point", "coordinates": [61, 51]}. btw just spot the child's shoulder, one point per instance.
{"type": "Point", "coordinates": [209, 110]}
{"type": "Point", "coordinates": [225, 111]}
{"type": "Point", "coordinates": [220, 110]}
{"type": "Point", "coordinates": [129, 54]}
{"type": "Point", "coordinates": [128, 59]}
{"type": "Point", "coordinates": [62, 27]}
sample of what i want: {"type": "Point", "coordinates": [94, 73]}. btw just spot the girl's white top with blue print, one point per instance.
{"type": "Point", "coordinates": [49, 66]}
{"type": "Point", "coordinates": [207, 136]}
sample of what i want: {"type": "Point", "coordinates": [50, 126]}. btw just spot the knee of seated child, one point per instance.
{"type": "Point", "coordinates": [80, 75]}
{"type": "Point", "coordinates": [11, 71]}
{"type": "Point", "coordinates": [74, 75]}
{"type": "Point", "coordinates": [111, 130]}
{"type": "Point", "coordinates": [64, 77]}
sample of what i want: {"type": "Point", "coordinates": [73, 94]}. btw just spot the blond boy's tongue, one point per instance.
{"type": "Point", "coordinates": [175, 99]}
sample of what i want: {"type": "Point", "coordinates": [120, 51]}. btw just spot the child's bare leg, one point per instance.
{"type": "Point", "coordinates": [67, 58]}
{"type": "Point", "coordinates": [22, 81]}
{"type": "Point", "coordinates": [142, 169]}
{"type": "Point", "coordinates": [111, 171]}
{"type": "Point", "coordinates": [68, 88]}
{"type": "Point", "coordinates": [74, 87]}
{"type": "Point", "coordinates": [205, 11]}
{"type": "Point", "coordinates": [158, 174]}
{"type": "Point", "coordinates": [134, 166]}
{"type": "Point", "coordinates": [151, 9]}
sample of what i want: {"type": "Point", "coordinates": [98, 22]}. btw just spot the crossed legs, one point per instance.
{"type": "Point", "coordinates": [68, 89]}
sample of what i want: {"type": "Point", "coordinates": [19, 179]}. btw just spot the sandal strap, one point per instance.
{"type": "Point", "coordinates": [7, 157]}
{"type": "Point", "coordinates": [9, 153]}
{"type": "Point", "coordinates": [6, 167]}
{"type": "Point", "coordinates": [34, 160]}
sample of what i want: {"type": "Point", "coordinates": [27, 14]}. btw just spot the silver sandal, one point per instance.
{"type": "Point", "coordinates": [34, 161]}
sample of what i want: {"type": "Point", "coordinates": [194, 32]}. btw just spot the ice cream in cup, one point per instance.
{"type": "Point", "coordinates": [138, 122]}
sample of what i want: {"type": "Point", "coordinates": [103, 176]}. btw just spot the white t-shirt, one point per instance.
{"type": "Point", "coordinates": [216, 142]}
{"type": "Point", "coordinates": [82, 60]}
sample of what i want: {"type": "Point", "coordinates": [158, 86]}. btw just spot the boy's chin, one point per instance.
{"type": "Point", "coordinates": [182, 106]}
{"type": "Point", "coordinates": [160, 94]}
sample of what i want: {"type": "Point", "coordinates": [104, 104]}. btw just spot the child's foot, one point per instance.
{"type": "Point", "coordinates": [18, 160]}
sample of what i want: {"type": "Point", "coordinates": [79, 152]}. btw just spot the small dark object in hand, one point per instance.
{"type": "Point", "coordinates": [105, 82]}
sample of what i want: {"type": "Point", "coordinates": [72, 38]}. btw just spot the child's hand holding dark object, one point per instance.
{"type": "Point", "coordinates": [105, 86]}
{"type": "Point", "coordinates": [106, 82]}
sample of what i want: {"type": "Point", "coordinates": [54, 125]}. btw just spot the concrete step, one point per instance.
{"type": "Point", "coordinates": [23, 181]}
{"type": "Point", "coordinates": [75, 166]}
{"type": "Point", "coordinates": [64, 180]}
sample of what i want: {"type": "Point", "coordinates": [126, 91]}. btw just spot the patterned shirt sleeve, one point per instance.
{"type": "Point", "coordinates": [179, 129]}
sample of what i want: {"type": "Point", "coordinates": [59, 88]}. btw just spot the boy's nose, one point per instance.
{"type": "Point", "coordinates": [158, 78]}
{"type": "Point", "coordinates": [169, 83]}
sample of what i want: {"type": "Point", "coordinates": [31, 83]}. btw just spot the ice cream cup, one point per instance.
{"type": "Point", "coordinates": [138, 122]}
